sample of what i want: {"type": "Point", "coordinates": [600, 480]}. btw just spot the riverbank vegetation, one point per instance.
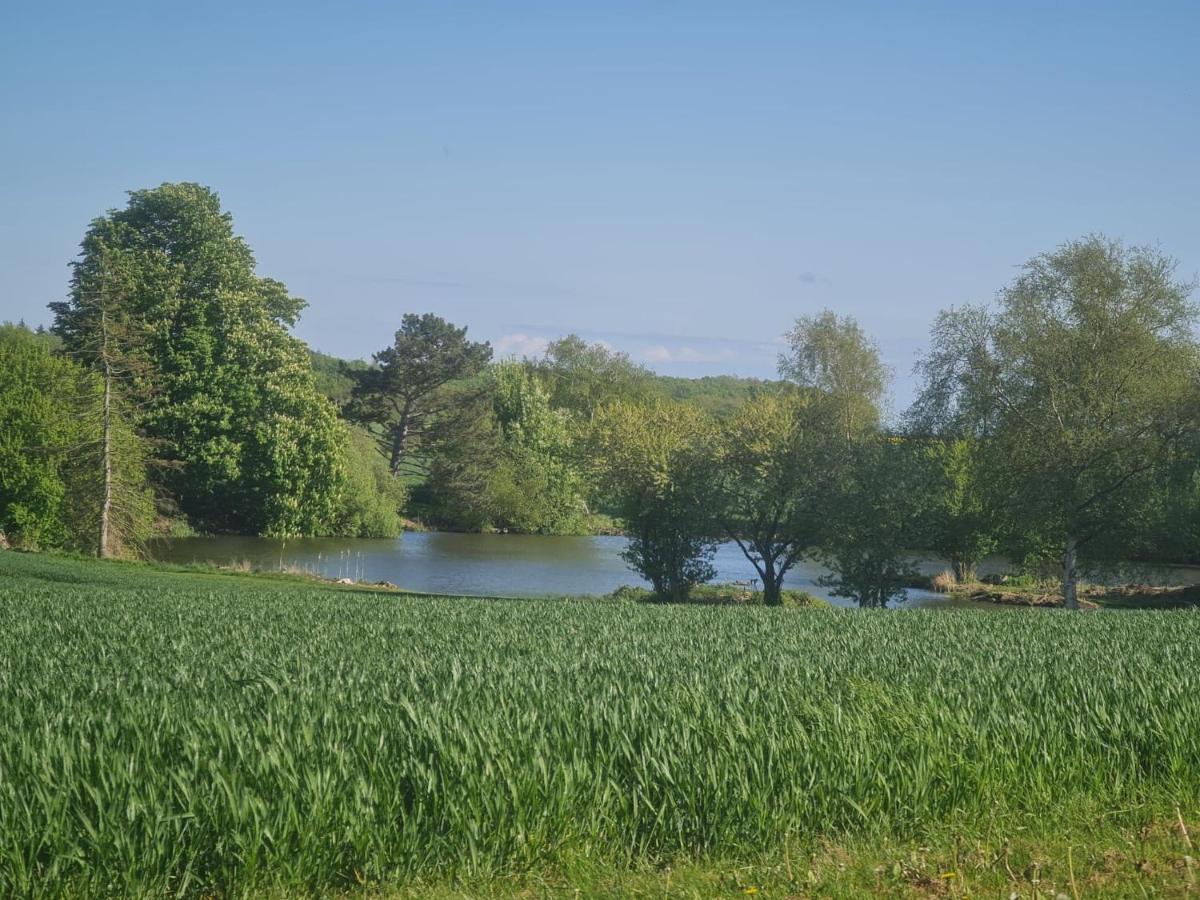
{"type": "Point", "coordinates": [190, 733]}
{"type": "Point", "coordinates": [1059, 426]}
{"type": "Point", "coordinates": [1046, 592]}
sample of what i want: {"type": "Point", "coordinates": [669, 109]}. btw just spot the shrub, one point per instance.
{"type": "Point", "coordinates": [943, 582]}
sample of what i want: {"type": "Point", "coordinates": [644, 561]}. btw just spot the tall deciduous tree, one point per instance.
{"type": "Point", "coordinates": [536, 487]}
{"type": "Point", "coordinates": [653, 464]}
{"type": "Point", "coordinates": [249, 443]}
{"type": "Point", "coordinates": [408, 398]}
{"type": "Point", "coordinates": [1080, 385]}
{"type": "Point", "coordinates": [832, 355]}
{"type": "Point", "coordinates": [580, 377]}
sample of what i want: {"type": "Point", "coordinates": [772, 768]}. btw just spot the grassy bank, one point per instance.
{"type": "Point", "coordinates": [190, 732]}
{"type": "Point", "coordinates": [1042, 594]}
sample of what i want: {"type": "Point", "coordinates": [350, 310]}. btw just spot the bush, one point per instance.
{"type": "Point", "coordinates": [718, 595]}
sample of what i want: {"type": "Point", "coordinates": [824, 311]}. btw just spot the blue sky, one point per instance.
{"type": "Point", "coordinates": [678, 179]}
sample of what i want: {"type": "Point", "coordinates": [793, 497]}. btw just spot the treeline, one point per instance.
{"type": "Point", "coordinates": [1057, 426]}
{"type": "Point", "coordinates": [1060, 427]}
{"type": "Point", "coordinates": [170, 394]}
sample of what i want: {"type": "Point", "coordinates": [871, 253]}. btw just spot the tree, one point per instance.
{"type": "Point", "coordinates": [514, 469]}
{"type": "Point", "coordinates": [960, 523]}
{"type": "Point", "coordinates": [244, 440]}
{"type": "Point", "coordinates": [873, 511]}
{"type": "Point", "coordinates": [772, 458]}
{"type": "Point", "coordinates": [580, 377]}
{"type": "Point", "coordinates": [536, 487]}
{"type": "Point", "coordinates": [72, 471]}
{"type": "Point", "coordinates": [867, 486]}
{"type": "Point", "coordinates": [1080, 386]}
{"type": "Point", "coordinates": [113, 346]}
{"type": "Point", "coordinates": [834, 356]}
{"type": "Point", "coordinates": [465, 466]}
{"type": "Point", "coordinates": [373, 499]}
{"type": "Point", "coordinates": [408, 398]}
{"type": "Point", "coordinates": [39, 429]}
{"type": "Point", "coordinates": [652, 462]}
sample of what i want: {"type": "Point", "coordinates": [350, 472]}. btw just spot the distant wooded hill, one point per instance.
{"type": "Point", "coordinates": [717, 395]}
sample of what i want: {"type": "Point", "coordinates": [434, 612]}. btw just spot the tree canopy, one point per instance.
{"type": "Point", "coordinates": [769, 470]}
{"type": "Point", "coordinates": [652, 462]}
{"type": "Point", "coordinates": [832, 355]}
{"type": "Point", "coordinates": [408, 397]}
{"type": "Point", "coordinates": [1082, 383]}
{"type": "Point", "coordinates": [245, 441]}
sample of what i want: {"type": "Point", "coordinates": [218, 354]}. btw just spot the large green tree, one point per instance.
{"type": "Point", "coordinates": [832, 355]}
{"type": "Point", "coordinates": [580, 377]}
{"type": "Point", "coordinates": [536, 486]}
{"type": "Point", "coordinates": [373, 499]}
{"type": "Point", "coordinates": [960, 525]}
{"type": "Point", "coordinates": [413, 397]}
{"type": "Point", "coordinates": [1081, 384]}
{"type": "Point", "coordinates": [514, 468]}
{"type": "Point", "coordinates": [653, 463]}
{"type": "Point", "coordinates": [772, 460]}
{"type": "Point", "coordinates": [245, 441]}
{"type": "Point", "coordinates": [874, 510]}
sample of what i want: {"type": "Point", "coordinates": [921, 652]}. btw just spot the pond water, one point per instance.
{"type": "Point", "coordinates": [503, 565]}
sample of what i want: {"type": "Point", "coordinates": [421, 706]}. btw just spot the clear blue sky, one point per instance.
{"type": "Point", "coordinates": [679, 179]}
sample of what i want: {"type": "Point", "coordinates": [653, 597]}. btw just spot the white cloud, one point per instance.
{"type": "Point", "coordinates": [660, 353]}
{"type": "Point", "coordinates": [520, 345]}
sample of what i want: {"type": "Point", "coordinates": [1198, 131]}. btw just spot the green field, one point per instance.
{"type": "Point", "coordinates": [190, 733]}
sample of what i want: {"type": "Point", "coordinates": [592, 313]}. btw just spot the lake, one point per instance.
{"type": "Point", "coordinates": [505, 565]}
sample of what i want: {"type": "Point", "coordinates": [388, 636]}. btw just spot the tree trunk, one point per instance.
{"type": "Point", "coordinates": [399, 440]}
{"type": "Point", "coordinates": [104, 551]}
{"type": "Point", "coordinates": [1070, 584]}
{"type": "Point", "coordinates": [772, 589]}
{"type": "Point", "coordinates": [962, 569]}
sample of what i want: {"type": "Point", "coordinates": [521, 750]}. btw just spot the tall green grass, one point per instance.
{"type": "Point", "coordinates": [188, 734]}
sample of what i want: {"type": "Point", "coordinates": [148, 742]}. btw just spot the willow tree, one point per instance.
{"type": "Point", "coordinates": [1079, 385]}
{"type": "Point", "coordinates": [877, 503]}
{"type": "Point", "coordinates": [960, 525]}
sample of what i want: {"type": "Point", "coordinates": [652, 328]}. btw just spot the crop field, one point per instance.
{"type": "Point", "coordinates": [233, 736]}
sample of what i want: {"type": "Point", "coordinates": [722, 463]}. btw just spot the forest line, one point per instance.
{"type": "Point", "coordinates": [1059, 425]}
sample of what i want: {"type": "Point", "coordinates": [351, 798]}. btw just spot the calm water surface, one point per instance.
{"type": "Point", "coordinates": [508, 565]}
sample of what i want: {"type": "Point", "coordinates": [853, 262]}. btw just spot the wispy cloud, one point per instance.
{"type": "Point", "coordinates": [813, 278]}
{"type": "Point", "coordinates": [661, 353]}
{"type": "Point", "coordinates": [520, 344]}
